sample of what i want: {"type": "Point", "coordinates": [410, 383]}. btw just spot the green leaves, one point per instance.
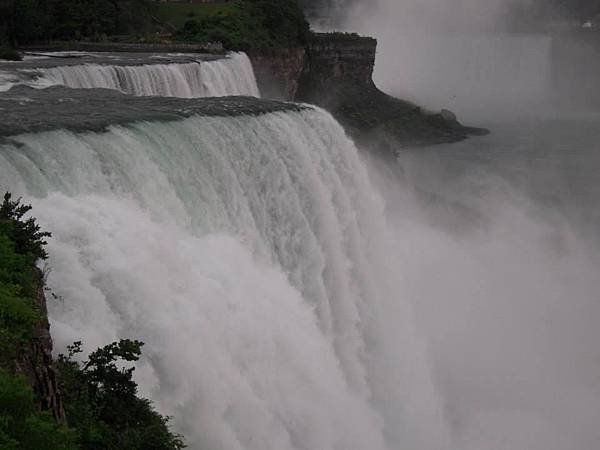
{"type": "Point", "coordinates": [30, 21]}
{"type": "Point", "coordinates": [25, 234]}
{"type": "Point", "coordinates": [24, 428]}
{"type": "Point", "coordinates": [101, 401]}
{"type": "Point", "coordinates": [21, 244]}
{"type": "Point", "coordinates": [252, 24]}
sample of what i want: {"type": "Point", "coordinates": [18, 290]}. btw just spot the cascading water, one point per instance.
{"type": "Point", "coordinates": [232, 75]}
{"type": "Point", "coordinates": [252, 256]}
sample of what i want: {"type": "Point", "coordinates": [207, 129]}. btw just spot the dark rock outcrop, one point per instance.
{"type": "Point", "coordinates": [36, 363]}
{"type": "Point", "coordinates": [338, 76]}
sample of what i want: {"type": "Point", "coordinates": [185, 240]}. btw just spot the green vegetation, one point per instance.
{"type": "Point", "coordinates": [250, 24]}
{"type": "Point", "coordinates": [101, 401]}
{"type": "Point", "coordinates": [177, 14]}
{"type": "Point", "coordinates": [100, 398]}
{"type": "Point", "coordinates": [22, 427]}
{"type": "Point", "coordinates": [238, 25]}
{"type": "Point", "coordinates": [31, 21]}
{"type": "Point", "coordinates": [21, 245]}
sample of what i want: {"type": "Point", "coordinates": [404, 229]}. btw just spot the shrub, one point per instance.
{"type": "Point", "coordinates": [24, 428]}
{"type": "Point", "coordinates": [101, 401]}
{"type": "Point", "coordinates": [10, 54]}
{"type": "Point", "coordinates": [21, 244]}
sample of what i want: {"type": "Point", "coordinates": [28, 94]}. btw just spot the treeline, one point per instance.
{"type": "Point", "coordinates": [102, 409]}
{"type": "Point", "coordinates": [251, 24]}
{"type": "Point", "coordinates": [246, 24]}
{"type": "Point", "coordinates": [32, 21]}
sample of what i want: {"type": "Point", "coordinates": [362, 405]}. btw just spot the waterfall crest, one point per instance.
{"type": "Point", "coordinates": [232, 75]}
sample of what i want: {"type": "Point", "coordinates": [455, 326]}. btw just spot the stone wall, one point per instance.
{"type": "Point", "coordinates": [278, 71]}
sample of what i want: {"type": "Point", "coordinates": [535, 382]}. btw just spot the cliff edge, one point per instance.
{"type": "Point", "coordinates": [335, 71]}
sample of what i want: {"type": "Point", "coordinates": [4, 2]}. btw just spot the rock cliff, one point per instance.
{"type": "Point", "coordinates": [36, 363]}
{"type": "Point", "coordinates": [278, 71]}
{"type": "Point", "coordinates": [337, 71]}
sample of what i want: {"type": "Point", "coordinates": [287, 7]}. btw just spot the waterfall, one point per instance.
{"type": "Point", "coordinates": [228, 76]}
{"type": "Point", "coordinates": [251, 254]}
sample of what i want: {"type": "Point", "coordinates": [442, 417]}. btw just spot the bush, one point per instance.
{"type": "Point", "coordinates": [30, 21]}
{"type": "Point", "coordinates": [24, 428]}
{"type": "Point", "coordinates": [101, 401]}
{"type": "Point", "coordinates": [21, 244]}
{"type": "Point", "coordinates": [10, 54]}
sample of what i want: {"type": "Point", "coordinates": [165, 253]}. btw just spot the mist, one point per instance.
{"type": "Point", "coordinates": [479, 59]}
{"type": "Point", "coordinates": [498, 237]}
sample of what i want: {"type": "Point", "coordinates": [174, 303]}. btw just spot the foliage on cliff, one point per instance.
{"type": "Point", "coordinates": [21, 245]}
{"type": "Point", "coordinates": [22, 427]}
{"type": "Point", "coordinates": [100, 398]}
{"type": "Point", "coordinates": [101, 401]}
{"type": "Point", "coordinates": [251, 24]}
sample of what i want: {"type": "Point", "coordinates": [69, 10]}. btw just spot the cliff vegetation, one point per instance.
{"type": "Point", "coordinates": [68, 404]}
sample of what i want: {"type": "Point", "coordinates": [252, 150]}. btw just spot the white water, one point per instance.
{"type": "Point", "coordinates": [252, 256]}
{"type": "Point", "coordinates": [228, 76]}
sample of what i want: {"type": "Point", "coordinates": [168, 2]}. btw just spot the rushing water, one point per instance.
{"type": "Point", "coordinates": [232, 75]}
{"type": "Point", "coordinates": [251, 254]}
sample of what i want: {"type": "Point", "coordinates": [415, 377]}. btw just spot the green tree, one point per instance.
{"type": "Point", "coordinates": [101, 401]}
{"type": "Point", "coordinates": [24, 428]}
{"type": "Point", "coordinates": [252, 24]}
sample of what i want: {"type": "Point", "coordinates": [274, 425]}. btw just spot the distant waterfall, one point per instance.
{"type": "Point", "coordinates": [251, 254]}
{"type": "Point", "coordinates": [228, 76]}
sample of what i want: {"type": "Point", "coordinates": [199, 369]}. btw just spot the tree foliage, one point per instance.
{"type": "Point", "coordinates": [24, 233]}
{"type": "Point", "coordinates": [100, 395]}
{"type": "Point", "coordinates": [252, 24]}
{"type": "Point", "coordinates": [21, 245]}
{"type": "Point", "coordinates": [30, 21]}
{"type": "Point", "coordinates": [22, 427]}
{"type": "Point", "coordinates": [101, 401]}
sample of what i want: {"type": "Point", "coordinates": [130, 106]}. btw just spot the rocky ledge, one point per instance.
{"type": "Point", "coordinates": [336, 74]}
{"type": "Point", "coordinates": [25, 110]}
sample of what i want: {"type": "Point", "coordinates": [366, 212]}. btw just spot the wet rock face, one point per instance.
{"type": "Point", "coordinates": [335, 63]}
{"type": "Point", "coordinates": [278, 71]}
